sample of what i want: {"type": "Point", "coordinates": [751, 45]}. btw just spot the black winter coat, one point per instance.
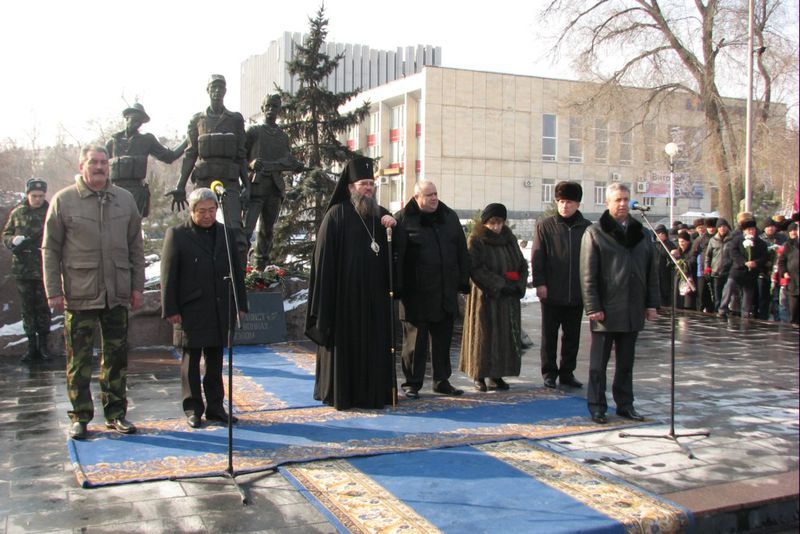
{"type": "Point", "coordinates": [618, 274]}
{"type": "Point", "coordinates": [739, 255]}
{"type": "Point", "coordinates": [789, 262]}
{"type": "Point", "coordinates": [433, 263]}
{"type": "Point", "coordinates": [193, 285]}
{"type": "Point", "coordinates": [555, 259]}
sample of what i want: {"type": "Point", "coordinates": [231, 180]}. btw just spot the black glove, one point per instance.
{"type": "Point", "coordinates": [508, 291]}
{"type": "Point", "coordinates": [178, 199]}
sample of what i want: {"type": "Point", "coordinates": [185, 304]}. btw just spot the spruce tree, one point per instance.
{"type": "Point", "coordinates": [312, 121]}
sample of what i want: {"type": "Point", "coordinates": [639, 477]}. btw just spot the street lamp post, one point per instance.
{"type": "Point", "coordinates": [672, 150]}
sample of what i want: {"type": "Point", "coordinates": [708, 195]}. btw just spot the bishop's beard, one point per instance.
{"type": "Point", "coordinates": [364, 205]}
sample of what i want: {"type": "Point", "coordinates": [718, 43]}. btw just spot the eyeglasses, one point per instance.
{"type": "Point", "coordinates": [206, 211]}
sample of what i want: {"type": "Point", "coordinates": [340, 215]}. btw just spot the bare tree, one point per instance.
{"type": "Point", "coordinates": [686, 47]}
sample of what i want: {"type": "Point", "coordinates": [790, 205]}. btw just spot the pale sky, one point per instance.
{"type": "Point", "coordinates": [68, 62]}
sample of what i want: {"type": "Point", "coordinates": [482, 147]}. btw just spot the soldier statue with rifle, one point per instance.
{"type": "Point", "coordinates": [269, 156]}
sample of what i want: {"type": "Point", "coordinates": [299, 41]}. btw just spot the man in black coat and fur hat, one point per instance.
{"type": "Point", "coordinates": [555, 264]}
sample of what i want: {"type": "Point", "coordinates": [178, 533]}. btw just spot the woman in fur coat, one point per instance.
{"type": "Point", "coordinates": [491, 346]}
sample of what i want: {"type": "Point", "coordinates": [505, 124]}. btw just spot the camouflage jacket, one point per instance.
{"type": "Point", "coordinates": [26, 221]}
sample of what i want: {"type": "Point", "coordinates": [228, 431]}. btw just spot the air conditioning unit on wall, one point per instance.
{"type": "Point", "coordinates": [641, 187]}
{"type": "Point", "coordinates": [615, 177]}
{"type": "Point", "coordinates": [527, 183]}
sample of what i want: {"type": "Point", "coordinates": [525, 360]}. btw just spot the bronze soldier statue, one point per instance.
{"type": "Point", "coordinates": [128, 150]}
{"type": "Point", "coordinates": [216, 151]}
{"type": "Point", "coordinates": [269, 155]}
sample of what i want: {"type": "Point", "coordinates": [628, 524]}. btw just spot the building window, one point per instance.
{"type": "Point", "coordinates": [575, 140]}
{"type": "Point", "coordinates": [397, 136]}
{"type": "Point", "coordinates": [373, 135]}
{"type": "Point", "coordinates": [548, 137]}
{"type": "Point", "coordinates": [352, 138]}
{"type": "Point", "coordinates": [649, 140]}
{"type": "Point", "coordinates": [548, 188]}
{"type": "Point", "coordinates": [600, 141]}
{"type": "Point", "coordinates": [626, 143]}
{"type": "Point", "coordinates": [649, 201]}
{"type": "Point", "coordinates": [599, 193]}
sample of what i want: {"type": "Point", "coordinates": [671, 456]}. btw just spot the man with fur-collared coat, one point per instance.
{"type": "Point", "coordinates": [619, 282]}
{"type": "Point", "coordinates": [433, 268]}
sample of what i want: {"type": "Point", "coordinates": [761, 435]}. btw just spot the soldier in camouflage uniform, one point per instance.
{"type": "Point", "coordinates": [23, 235]}
{"type": "Point", "coordinates": [94, 269]}
{"type": "Point", "coordinates": [128, 151]}
{"type": "Point", "coordinates": [269, 155]}
{"type": "Point", "coordinates": [216, 151]}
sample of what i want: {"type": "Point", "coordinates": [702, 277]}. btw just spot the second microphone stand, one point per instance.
{"type": "Point", "coordinates": [679, 273]}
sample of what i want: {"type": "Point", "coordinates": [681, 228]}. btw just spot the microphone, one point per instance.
{"type": "Point", "coordinates": [218, 188]}
{"type": "Point", "coordinates": [633, 204]}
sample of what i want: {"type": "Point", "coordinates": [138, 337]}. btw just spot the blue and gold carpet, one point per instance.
{"type": "Point", "coordinates": [507, 486]}
{"type": "Point", "coordinates": [279, 423]}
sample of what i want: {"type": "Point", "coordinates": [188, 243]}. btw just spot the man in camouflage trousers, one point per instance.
{"type": "Point", "coordinates": [23, 235]}
{"type": "Point", "coordinates": [94, 268]}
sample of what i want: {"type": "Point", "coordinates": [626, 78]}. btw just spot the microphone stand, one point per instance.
{"type": "Point", "coordinates": [233, 314]}
{"type": "Point", "coordinates": [679, 272]}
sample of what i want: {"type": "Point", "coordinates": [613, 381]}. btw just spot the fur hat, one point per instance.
{"type": "Point", "coordinates": [569, 191]}
{"type": "Point", "coordinates": [35, 184]}
{"type": "Point", "coordinates": [747, 223]}
{"type": "Point", "coordinates": [494, 210]}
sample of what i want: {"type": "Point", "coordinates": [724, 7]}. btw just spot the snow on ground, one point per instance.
{"type": "Point", "coordinates": [295, 300]}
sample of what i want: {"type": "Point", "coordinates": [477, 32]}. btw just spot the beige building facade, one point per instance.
{"type": "Point", "coordinates": [488, 137]}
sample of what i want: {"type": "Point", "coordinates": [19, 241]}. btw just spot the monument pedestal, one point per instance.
{"type": "Point", "coordinates": [265, 322]}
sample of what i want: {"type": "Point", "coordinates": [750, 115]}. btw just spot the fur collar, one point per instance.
{"type": "Point", "coordinates": [628, 238]}
{"type": "Point", "coordinates": [505, 236]}
{"type": "Point", "coordinates": [412, 210]}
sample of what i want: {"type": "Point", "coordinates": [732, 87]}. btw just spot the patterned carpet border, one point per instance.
{"type": "Point", "coordinates": [356, 503]}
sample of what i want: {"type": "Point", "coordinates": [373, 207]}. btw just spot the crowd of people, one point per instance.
{"type": "Point", "coordinates": [83, 253]}
{"type": "Point", "coordinates": [744, 270]}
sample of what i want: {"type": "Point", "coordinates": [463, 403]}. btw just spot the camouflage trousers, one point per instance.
{"type": "Point", "coordinates": [79, 328]}
{"type": "Point", "coordinates": [35, 311]}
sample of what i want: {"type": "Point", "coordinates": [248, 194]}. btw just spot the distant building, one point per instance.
{"type": "Point", "coordinates": [361, 68]}
{"type": "Point", "coordinates": [488, 137]}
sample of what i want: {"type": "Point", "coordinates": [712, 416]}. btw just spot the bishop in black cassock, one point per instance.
{"type": "Point", "coordinates": [348, 303]}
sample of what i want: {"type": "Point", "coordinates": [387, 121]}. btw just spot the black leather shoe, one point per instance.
{"type": "Point", "coordinates": [220, 417]}
{"type": "Point", "coordinates": [571, 382]}
{"type": "Point", "coordinates": [121, 425]}
{"type": "Point", "coordinates": [630, 414]}
{"type": "Point", "coordinates": [549, 382]}
{"type": "Point", "coordinates": [599, 418]}
{"type": "Point", "coordinates": [411, 393]}
{"type": "Point", "coordinates": [480, 385]}
{"type": "Point", "coordinates": [498, 383]}
{"type": "Point", "coordinates": [193, 421]}
{"type": "Point", "coordinates": [445, 388]}
{"type": "Point", "coordinates": [78, 430]}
